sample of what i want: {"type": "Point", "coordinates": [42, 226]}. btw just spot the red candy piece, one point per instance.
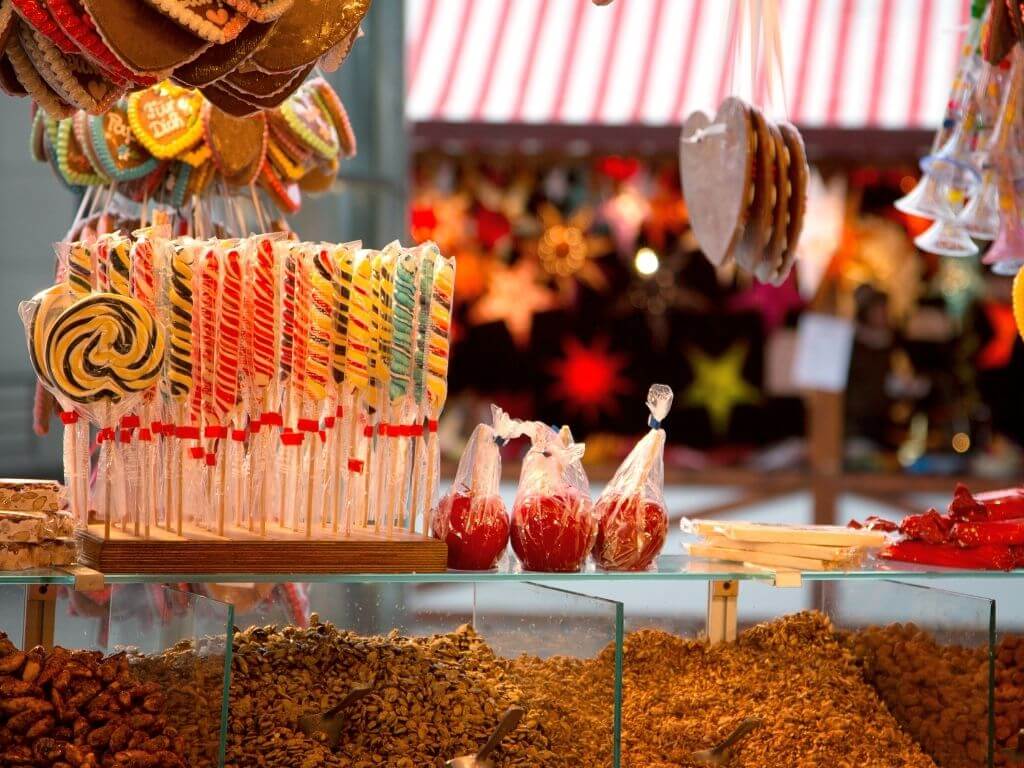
{"type": "Point", "coordinates": [553, 533]}
{"type": "Point", "coordinates": [998, 505]}
{"type": "Point", "coordinates": [630, 532]}
{"type": "Point", "coordinates": [991, 557]}
{"type": "Point", "coordinates": [968, 534]}
{"type": "Point", "coordinates": [931, 527]}
{"type": "Point", "coordinates": [474, 528]}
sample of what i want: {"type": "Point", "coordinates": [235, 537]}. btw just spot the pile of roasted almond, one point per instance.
{"type": "Point", "coordinates": [77, 709]}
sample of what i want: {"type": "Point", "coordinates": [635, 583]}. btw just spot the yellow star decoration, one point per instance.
{"type": "Point", "coordinates": [566, 250]}
{"type": "Point", "coordinates": [718, 385]}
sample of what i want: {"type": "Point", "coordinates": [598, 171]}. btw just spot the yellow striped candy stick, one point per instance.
{"type": "Point", "coordinates": [437, 369]}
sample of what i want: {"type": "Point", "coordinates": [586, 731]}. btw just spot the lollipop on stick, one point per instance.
{"type": "Point", "coordinates": [358, 364]}
{"type": "Point", "coordinates": [383, 270]}
{"type": "Point", "coordinates": [341, 286]}
{"type": "Point", "coordinates": [225, 398]}
{"type": "Point", "coordinates": [318, 371]}
{"type": "Point", "coordinates": [405, 324]}
{"type": "Point", "coordinates": [428, 254]}
{"type": "Point", "coordinates": [102, 352]}
{"type": "Point", "coordinates": [437, 368]}
{"type": "Point", "coordinates": [208, 288]}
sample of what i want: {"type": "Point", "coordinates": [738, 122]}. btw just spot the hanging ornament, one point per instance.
{"type": "Point", "coordinates": [718, 385]}
{"type": "Point", "coordinates": [567, 251]}
{"type": "Point", "coordinates": [589, 379]}
{"type": "Point", "coordinates": [624, 213]}
{"type": "Point", "coordinates": [773, 303]}
{"type": "Point", "coordinates": [439, 217]}
{"type": "Point", "coordinates": [513, 297]}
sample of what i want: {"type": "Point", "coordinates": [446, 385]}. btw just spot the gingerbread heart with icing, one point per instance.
{"type": "Point", "coordinates": [261, 11]}
{"type": "Point", "coordinates": [238, 145]}
{"type": "Point", "coordinates": [9, 82]}
{"type": "Point", "coordinates": [220, 60]}
{"type": "Point", "coordinates": [71, 17]}
{"type": "Point", "coordinates": [76, 79]}
{"type": "Point", "coordinates": [311, 124]}
{"type": "Point", "coordinates": [33, 83]}
{"type": "Point", "coordinates": [307, 31]}
{"type": "Point", "coordinates": [166, 119]}
{"type": "Point", "coordinates": [119, 152]}
{"type": "Point", "coordinates": [142, 38]}
{"type": "Point", "coordinates": [36, 14]}
{"type": "Point", "coordinates": [212, 20]}
{"type": "Point", "coordinates": [72, 160]}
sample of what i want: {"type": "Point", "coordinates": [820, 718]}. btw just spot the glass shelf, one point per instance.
{"type": "Point", "coordinates": [669, 567]}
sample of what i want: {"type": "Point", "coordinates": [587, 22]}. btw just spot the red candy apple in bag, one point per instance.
{"type": "Point", "coordinates": [471, 519]}
{"type": "Point", "coordinates": [553, 528]}
{"type": "Point", "coordinates": [632, 521]}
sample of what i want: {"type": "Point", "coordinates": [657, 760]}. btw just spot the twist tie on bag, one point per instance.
{"type": "Point", "coordinates": [68, 417]}
{"type": "Point", "coordinates": [659, 402]}
{"type": "Point", "coordinates": [505, 427]}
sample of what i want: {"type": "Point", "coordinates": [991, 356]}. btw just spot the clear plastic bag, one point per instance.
{"type": "Point", "coordinates": [553, 527]}
{"type": "Point", "coordinates": [471, 518]}
{"type": "Point", "coordinates": [632, 521]}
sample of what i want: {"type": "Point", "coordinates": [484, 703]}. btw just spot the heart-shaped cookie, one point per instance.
{"type": "Point", "coordinates": [142, 38]}
{"type": "Point", "coordinates": [9, 82]}
{"type": "Point", "coordinates": [118, 150]}
{"type": "Point", "coordinates": [212, 20]}
{"type": "Point", "coordinates": [331, 104]}
{"type": "Point", "coordinates": [320, 178]}
{"type": "Point", "coordinates": [799, 173]}
{"type": "Point", "coordinates": [238, 145]}
{"type": "Point", "coordinates": [252, 82]}
{"type": "Point", "coordinates": [37, 16]}
{"type": "Point", "coordinates": [7, 18]}
{"type": "Point", "coordinates": [72, 161]}
{"type": "Point", "coordinates": [335, 57]}
{"type": "Point", "coordinates": [776, 248]}
{"type": "Point", "coordinates": [715, 165]}
{"type": "Point", "coordinates": [761, 213]}
{"type": "Point", "coordinates": [261, 11]}
{"type": "Point", "coordinates": [76, 79]}
{"type": "Point", "coordinates": [34, 84]}
{"type": "Point", "coordinates": [285, 195]}
{"type": "Point", "coordinates": [227, 101]}
{"type": "Point", "coordinates": [166, 118]}
{"type": "Point", "coordinates": [287, 168]}
{"type": "Point", "coordinates": [311, 124]}
{"type": "Point", "coordinates": [220, 60]}
{"type": "Point", "coordinates": [264, 102]}
{"type": "Point", "coordinates": [307, 31]}
{"type": "Point", "coordinates": [71, 17]}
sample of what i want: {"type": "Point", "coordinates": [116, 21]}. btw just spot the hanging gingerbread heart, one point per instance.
{"type": "Point", "coordinates": [76, 79]}
{"type": "Point", "coordinates": [799, 174]}
{"type": "Point", "coordinates": [311, 124]}
{"type": "Point", "coordinates": [9, 82]}
{"type": "Point", "coordinates": [142, 38]}
{"type": "Point", "coordinates": [33, 83]}
{"type": "Point", "coordinates": [307, 31]}
{"type": "Point", "coordinates": [166, 118]}
{"type": "Point", "coordinates": [776, 248]}
{"type": "Point", "coordinates": [715, 161]}
{"type": "Point", "coordinates": [117, 149]}
{"type": "Point", "coordinates": [330, 103]}
{"type": "Point", "coordinates": [212, 20]}
{"type": "Point", "coordinates": [221, 60]}
{"type": "Point", "coordinates": [37, 16]}
{"type": "Point", "coordinates": [261, 11]}
{"type": "Point", "coordinates": [238, 145]}
{"type": "Point", "coordinates": [71, 17]}
{"type": "Point", "coordinates": [72, 161]}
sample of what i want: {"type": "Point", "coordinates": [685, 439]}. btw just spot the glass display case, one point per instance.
{"type": "Point", "coordinates": [148, 670]}
{"type": "Point", "coordinates": [617, 669]}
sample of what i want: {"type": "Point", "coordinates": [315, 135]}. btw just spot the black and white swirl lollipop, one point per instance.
{"type": "Point", "coordinates": [103, 348]}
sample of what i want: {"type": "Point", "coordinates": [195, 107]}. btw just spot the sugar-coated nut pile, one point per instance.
{"type": "Point", "coordinates": [77, 709]}
{"type": "Point", "coordinates": [684, 695]}
{"type": "Point", "coordinates": [434, 698]}
{"type": "Point", "coordinates": [938, 692]}
{"type": "Point", "coordinates": [1009, 704]}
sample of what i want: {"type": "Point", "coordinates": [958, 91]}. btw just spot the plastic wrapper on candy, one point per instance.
{"type": "Point", "coordinates": [632, 521]}
{"type": "Point", "coordinates": [471, 518]}
{"type": "Point", "coordinates": [553, 527]}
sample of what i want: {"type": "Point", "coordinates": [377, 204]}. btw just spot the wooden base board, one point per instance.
{"type": "Point", "coordinates": [203, 552]}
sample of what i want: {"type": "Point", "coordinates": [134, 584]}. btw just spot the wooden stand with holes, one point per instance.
{"type": "Point", "coordinates": [240, 551]}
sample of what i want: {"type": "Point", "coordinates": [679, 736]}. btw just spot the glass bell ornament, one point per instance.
{"type": "Point", "coordinates": [1006, 254]}
{"type": "Point", "coordinates": [927, 199]}
{"type": "Point", "coordinates": [946, 238]}
{"type": "Point", "coordinates": [980, 218]}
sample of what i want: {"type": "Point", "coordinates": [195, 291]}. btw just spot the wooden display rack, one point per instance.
{"type": "Point", "coordinates": [241, 551]}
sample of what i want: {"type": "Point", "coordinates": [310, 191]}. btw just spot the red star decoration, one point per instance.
{"type": "Point", "coordinates": [589, 379]}
{"type": "Point", "coordinates": [774, 303]}
{"type": "Point", "coordinates": [997, 353]}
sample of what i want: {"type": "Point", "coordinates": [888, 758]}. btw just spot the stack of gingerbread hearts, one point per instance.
{"type": "Point", "coordinates": [168, 144]}
{"type": "Point", "coordinates": [745, 183]}
{"type": "Point", "coordinates": [244, 55]}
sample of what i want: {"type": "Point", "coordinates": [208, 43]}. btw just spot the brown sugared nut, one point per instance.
{"type": "Point", "coordinates": [119, 738]}
{"type": "Point", "coordinates": [41, 727]}
{"type": "Point", "coordinates": [12, 662]}
{"type": "Point", "coordinates": [154, 702]}
{"type": "Point", "coordinates": [20, 704]}
{"type": "Point", "coordinates": [12, 686]}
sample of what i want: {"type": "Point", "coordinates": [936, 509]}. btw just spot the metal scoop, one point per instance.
{"type": "Point", "coordinates": [327, 726]}
{"type": "Point", "coordinates": [508, 723]}
{"type": "Point", "coordinates": [721, 753]}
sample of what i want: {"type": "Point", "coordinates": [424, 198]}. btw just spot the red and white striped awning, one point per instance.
{"type": "Point", "coordinates": [847, 63]}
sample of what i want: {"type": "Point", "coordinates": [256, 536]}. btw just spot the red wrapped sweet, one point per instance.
{"type": "Point", "coordinates": [553, 532]}
{"type": "Point", "coordinates": [553, 527]}
{"type": "Point", "coordinates": [631, 516]}
{"type": "Point", "coordinates": [475, 528]}
{"type": "Point", "coordinates": [471, 519]}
